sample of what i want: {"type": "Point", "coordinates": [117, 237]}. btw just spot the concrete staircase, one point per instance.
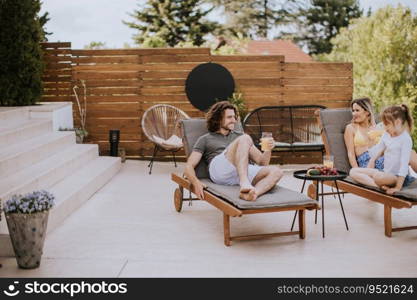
{"type": "Point", "coordinates": [34, 155]}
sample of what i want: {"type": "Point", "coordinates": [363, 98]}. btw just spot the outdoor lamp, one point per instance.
{"type": "Point", "coordinates": [114, 136]}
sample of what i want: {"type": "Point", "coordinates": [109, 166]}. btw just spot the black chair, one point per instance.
{"type": "Point", "coordinates": [294, 127]}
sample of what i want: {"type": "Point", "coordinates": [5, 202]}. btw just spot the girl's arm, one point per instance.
{"type": "Point", "coordinates": [378, 154]}
{"type": "Point", "coordinates": [350, 147]}
{"type": "Point", "coordinates": [379, 151]}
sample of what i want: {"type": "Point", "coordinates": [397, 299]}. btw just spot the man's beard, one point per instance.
{"type": "Point", "coordinates": [227, 128]}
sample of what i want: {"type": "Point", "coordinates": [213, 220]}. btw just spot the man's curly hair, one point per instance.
{"type": "Point", "coordinates": [216, 113]}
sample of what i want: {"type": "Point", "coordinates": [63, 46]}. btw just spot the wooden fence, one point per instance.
{"type": "Point", "coordinates": [121, 84]}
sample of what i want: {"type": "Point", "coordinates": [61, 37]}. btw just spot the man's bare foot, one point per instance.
{"type": "Point", "coordinates": [384, 187]}
{"type": "Point", "coordinates": [251, 196]}
{"type": "Point", "coordinates": [246, 188]}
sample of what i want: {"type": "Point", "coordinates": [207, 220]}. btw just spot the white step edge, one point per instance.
{"type": "Point", "coordinates": [72, 193]}
{"type": "Point", "coordinates": [75, 190]}
{"type": "Point", "coordinates": [24, 131]}
{"type": "Point", "coordinates": [49, 171]}
{"type": "Point", "coordinates": [14, 113]}
{"type": "Point", "coordinates": [21, 155]}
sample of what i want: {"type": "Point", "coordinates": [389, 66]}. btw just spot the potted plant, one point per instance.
{"type": "Point", "coordinates": [80, 133]}
{"type": "Point", "coordinates": [237, 100]}
{"type": "Point", "coordinates": [27, 220]}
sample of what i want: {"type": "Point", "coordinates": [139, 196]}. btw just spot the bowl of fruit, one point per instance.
{"type": "Point", "coordinates": [322, 171]}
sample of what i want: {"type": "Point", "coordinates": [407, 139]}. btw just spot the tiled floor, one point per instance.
{"type": "Point", "coordinates": [131, 229]}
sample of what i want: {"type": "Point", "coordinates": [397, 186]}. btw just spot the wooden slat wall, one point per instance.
{"type": "Point", "coordinates": [123, 83]}
{"type": "Point", "coordinates": [57, 76]}
{"type": "Point", "coordinates": [113, 84]}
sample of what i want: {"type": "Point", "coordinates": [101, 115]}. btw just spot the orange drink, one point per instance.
{"type": "Point", "coordinates": [265, 140]}
{"type": "Point", "coordinates": [328, 161]}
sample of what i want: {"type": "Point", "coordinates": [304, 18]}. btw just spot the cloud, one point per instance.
{"type": "Point", "coordinates": [83, 21]}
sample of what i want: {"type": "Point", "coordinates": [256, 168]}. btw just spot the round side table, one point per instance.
{"type": "Point", "coordinates": [319, 179]}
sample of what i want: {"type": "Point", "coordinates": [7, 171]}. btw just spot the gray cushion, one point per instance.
{"type": "Point", "coordinates": [409, 192]}
{"type": "Point", "coordinates": [276, 197]}
{"type": "Point", "coordinates": [192, 130]}
{"type": "Point", "coordinates": [334, 122]}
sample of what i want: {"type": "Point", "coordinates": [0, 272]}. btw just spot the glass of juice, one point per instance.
{"type": "Point", "coordinates": [266, 137]}
{"type": "Point", "coordinates": [328, 161]}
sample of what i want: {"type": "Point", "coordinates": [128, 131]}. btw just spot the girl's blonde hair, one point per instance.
{"type": "Point", "coordinates": [366, 105]}
{"type": "Point", "coordinates": [395, 112]}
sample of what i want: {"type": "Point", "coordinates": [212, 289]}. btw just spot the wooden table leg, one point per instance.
{"type": "Point", "coordinates": [226, 228]}
{"type": "Point", "coordinates": [302, 223]}
{"type": "Point", "coordinates": [388, 220]}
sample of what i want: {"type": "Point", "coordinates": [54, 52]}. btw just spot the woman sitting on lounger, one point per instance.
{"type": "Point", "coordinates": [362, 134]}
{"type": "Point", "coordinates": [395, 145]}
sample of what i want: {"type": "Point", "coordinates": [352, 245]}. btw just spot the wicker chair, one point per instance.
{"type": "Point", "coordinates": [161, 125]}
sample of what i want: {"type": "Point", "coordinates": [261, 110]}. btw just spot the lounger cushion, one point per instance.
{"type": "Point", "coordinates": [192, 130]}
{"type": "Point", "coordinates": [334, 122]}
{"type": "Point", "coordinates": [276, 197]}
{"type": "Point", "coordinates": [409, 192]}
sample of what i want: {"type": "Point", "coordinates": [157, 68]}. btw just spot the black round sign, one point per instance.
{"type": "Point", "coordinates": [207, 84]}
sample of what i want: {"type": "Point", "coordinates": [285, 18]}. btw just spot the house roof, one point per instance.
{"type": "Point", "coordinates": [287, 48]}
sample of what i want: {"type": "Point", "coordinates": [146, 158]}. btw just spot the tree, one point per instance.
{"type": "Point", "coordinates": [96, 46]}
{"type": "Point", "coordinates": [254, 18]}
{"type": "Point", "coordinates": [20, 52]}
{"type": "Point", "coordinates": [382, 48]}
{"type": "Point", "coordinates": [320, 20]}
{"type": "Point", "coordinates": [42, 21]}
{"type": "Point", "coordinates": [172, 21]}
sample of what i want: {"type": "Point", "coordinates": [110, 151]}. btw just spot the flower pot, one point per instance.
{"type": "Point", "coordinates": [27, 233]}
{"type": "Point", "coordinates": [122, 154]}
{"type": "Point", "coordinates": [79, 139]}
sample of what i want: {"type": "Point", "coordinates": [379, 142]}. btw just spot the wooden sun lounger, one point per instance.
{"type": "Point", "coordinates": [225, 198]}
{"type": "Point", "coordinates": [230, 210]}
{"type": "Point", "coordinates": [378, 196]}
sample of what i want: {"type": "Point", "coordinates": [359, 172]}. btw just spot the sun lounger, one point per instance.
{"type": "Point", "coordinates": [333, 123]}
{"type": "Point", "coordinates": [226, 198]}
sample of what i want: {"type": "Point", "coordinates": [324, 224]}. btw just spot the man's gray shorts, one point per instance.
{"type": "Point", "coordinates": [223, 172]}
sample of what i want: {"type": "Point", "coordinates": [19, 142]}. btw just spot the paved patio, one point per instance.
{"type": "Point", "coordinates": [131, 229]}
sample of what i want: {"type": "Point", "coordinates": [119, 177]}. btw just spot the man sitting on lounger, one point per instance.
{"type": "Point", "coordinates": [227, 153]}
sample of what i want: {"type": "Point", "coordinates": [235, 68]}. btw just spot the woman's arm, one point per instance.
{"type": "Point", "coordinates": [350, 147]}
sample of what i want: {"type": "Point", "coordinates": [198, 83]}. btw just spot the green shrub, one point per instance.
{"type": "Point", "coordinates": [382, 48]}
{"type": "Point", "coordinates": [20, 53]}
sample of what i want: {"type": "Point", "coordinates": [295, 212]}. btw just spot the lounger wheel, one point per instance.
{"type": "Point", "coordinates": [312, 191]}
{"type": "Point", "coordinates": [178, 199]}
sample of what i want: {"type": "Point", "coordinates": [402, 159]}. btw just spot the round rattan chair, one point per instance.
{"type": "Point", "coordinates": [161, 125]}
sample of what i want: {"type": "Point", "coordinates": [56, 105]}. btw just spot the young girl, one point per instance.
{"type": "Point", "coordinates": [395, 145]}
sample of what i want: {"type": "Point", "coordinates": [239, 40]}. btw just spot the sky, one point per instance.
{"type": "Point", "coordinates": [83, 21]}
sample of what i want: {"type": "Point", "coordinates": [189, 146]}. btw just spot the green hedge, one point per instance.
{"type": "Point", "coordinates": [21, 63]}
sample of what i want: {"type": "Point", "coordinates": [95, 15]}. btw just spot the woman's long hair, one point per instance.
{"type": "Point", "coordinates": [215, 115]}
{"type": "Point", "coordinates": [365, 104]}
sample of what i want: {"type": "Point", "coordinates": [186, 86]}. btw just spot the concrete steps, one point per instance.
{"type": "Point", "coordinates": [47, 172]}
{"type": "Point", "coordinates": [34, 156]}
{"type": "Point", "coordinates": [13, 114]}
{"type": "Point", "coordinates": [20, 155]}
{"type": "Point", "coordinates": [76, 189]}
{"type": "Point", "coordinates": [24, 130]}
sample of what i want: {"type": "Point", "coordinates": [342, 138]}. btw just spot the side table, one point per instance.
{"type": "Point", "coordinates": [319, 179]}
